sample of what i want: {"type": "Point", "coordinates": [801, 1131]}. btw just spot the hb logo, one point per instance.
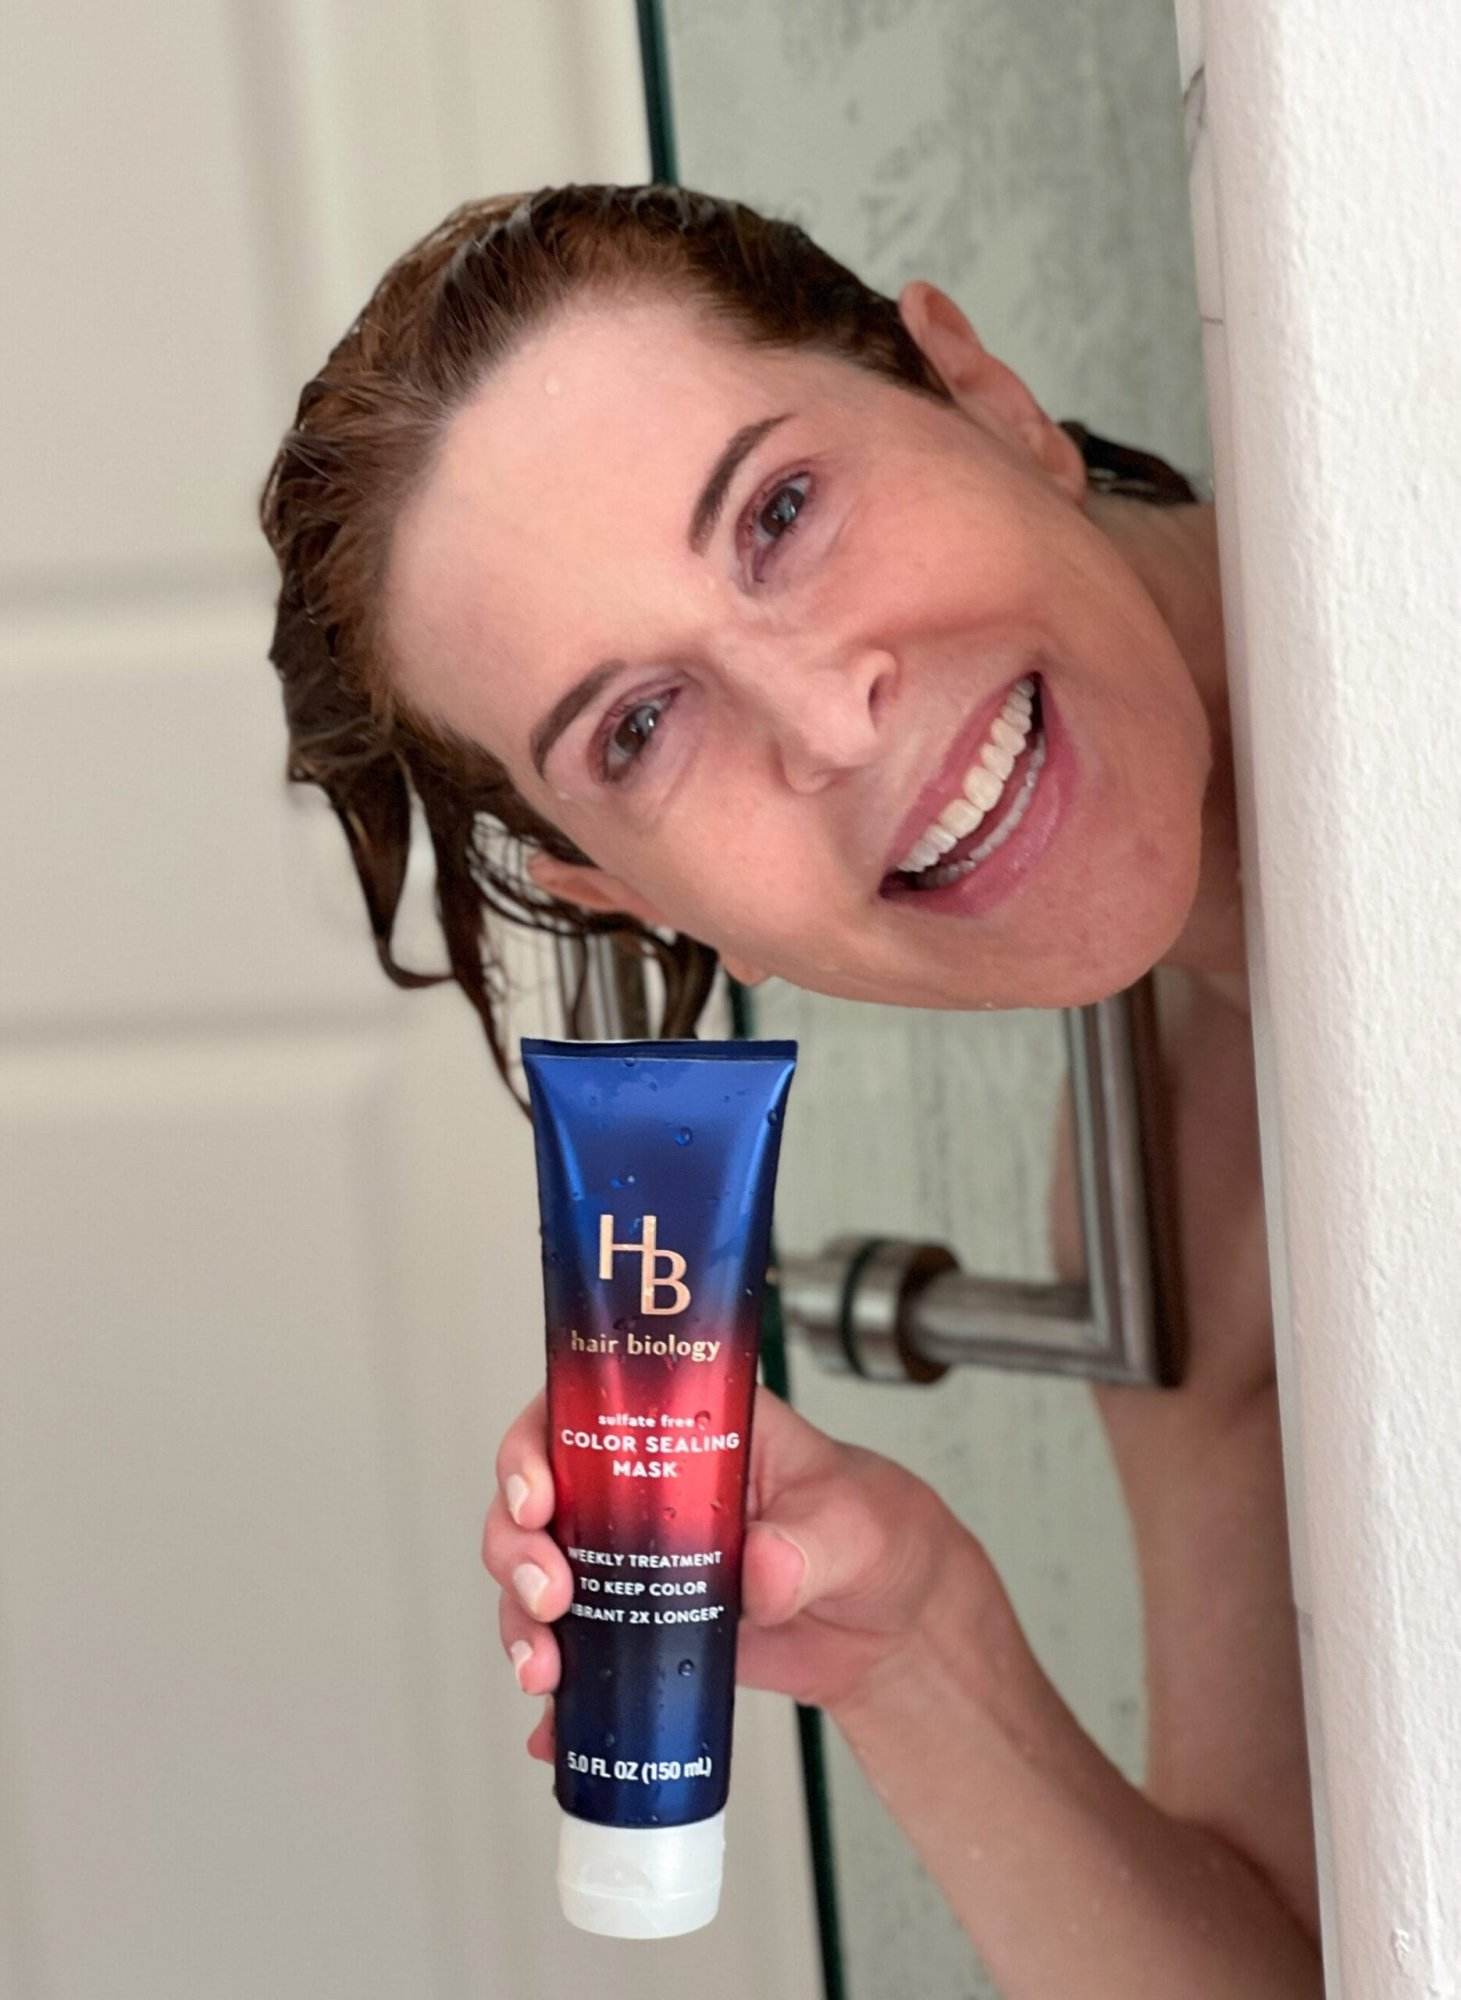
{"type": "Point", "coordinates": [659, 1270]}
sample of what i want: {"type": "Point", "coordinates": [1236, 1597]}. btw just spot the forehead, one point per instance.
{"type": "Point", "coordinates": [562, 490]}
{"type": "Point", "coordinates": [605, 379]}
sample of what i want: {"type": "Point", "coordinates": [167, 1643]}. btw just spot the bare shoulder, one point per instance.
{"type": "Point", "coordinates": [1201, 1469]}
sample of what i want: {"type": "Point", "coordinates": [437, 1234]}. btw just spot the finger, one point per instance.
{"type": "Point", "coordinates": [782, 1567]}
{"type": "Point", "coordinates": [523, 1473]}
{"type": "Point", "coordinates": [864, 1535]}
{"type": "Point", "coordinates": [540, 1743]}
{"type": "Point", "coordinates": [784, 1448]}
{"type": "Point", "coordinates": [531, 1647]}
{"type": "Point", "coordinates": [531, 1565]}
{"type": "Point", "coordinates": [776, 1579]}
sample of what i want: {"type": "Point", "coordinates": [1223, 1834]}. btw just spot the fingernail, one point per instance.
{"type": "Point", "coordinates": [517, 1492]}
{"type": "Point", "coordinates": [520, 1652]}
{"type": "Point", "coordinates": [530, 1582]}
{"type": "Point", "coordinates": [546, 1716]}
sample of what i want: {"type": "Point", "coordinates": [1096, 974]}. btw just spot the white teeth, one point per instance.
{"type": "Point", "coordinates": [960, 818]}
{"type": "Point", "coordinates": [920, 855]}
{"type": "Point", "coordinates": [939, 878]}
{"type": "Point", "coordinates": [984, 783]}
{"type": "Point", "coordinates": [981, 787]}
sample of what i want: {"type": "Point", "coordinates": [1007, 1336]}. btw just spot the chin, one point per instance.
{"type": "Point", "coordinates": [1077, 951]}
{"type": "Point", "coordinates": [1089, 982]}
{"type": "Point", "coordinates": [1078, 938]}
{"type": "Point", "coordinates": [1130, 940]}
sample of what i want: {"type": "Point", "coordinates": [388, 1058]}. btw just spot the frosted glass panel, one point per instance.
{"type": "Point", "coordinates": [1027, 156]}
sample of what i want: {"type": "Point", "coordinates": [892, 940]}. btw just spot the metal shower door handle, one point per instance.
{"type": "Point", "coordinates": [893, 1310]}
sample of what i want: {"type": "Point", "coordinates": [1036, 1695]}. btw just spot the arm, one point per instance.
{"type": "Point", "coordinates": [1201, 1468]}
{"type": "Point", "coordinates": [1072, 1885]}
{"type": "Point", "coordinates": [865, 1595]}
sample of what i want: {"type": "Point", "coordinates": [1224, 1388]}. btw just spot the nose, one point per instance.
{"type": "Point", "coordinates": [826, 719]}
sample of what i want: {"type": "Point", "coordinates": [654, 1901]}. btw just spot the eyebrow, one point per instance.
{"type": "Point", "coordinates": [568, 708]}
{"type": "Point", "coordinates": [703, 517]}
{"type": "Point", "coordinates": [712, 497]}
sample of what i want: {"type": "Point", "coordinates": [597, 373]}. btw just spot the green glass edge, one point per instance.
{"type": "Point", "coordinates": [654, 61]}
{"type": "Point", "coordinates": [776, 1373]}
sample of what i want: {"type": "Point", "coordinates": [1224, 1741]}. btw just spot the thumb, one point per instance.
{"type": "Point", "coordinates": [776, 1575]}
{"type": "Point", "coordinates": [820, 1541]}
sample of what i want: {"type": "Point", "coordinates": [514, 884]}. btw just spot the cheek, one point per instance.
{"type": "Point", "coordinates": [754, 873]}
{"type": "Point", "coordinates": [757, 883]}
{"type": "Point", "coordinates": [1149, 759]}
{"type": "Point", "coordinates": [1143, 861]}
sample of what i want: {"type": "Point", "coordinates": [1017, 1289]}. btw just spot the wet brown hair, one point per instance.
{"type": "Point", "coordinates": [364, 440]}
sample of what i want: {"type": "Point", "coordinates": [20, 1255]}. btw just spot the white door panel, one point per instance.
{"type": "Point", "coordinates": [153, 849]}
{"type": "Point", "coordinates": [207, 1575]}
{"type": "Point", "coordinates": [269, 1287]}
{"type": "Point", "coordinates": [136, 374]}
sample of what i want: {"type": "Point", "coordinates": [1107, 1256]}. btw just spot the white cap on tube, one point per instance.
{"type": "Point", "coordinates": [640, 1881]}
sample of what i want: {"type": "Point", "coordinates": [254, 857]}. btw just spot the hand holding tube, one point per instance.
{"type": "Point", "coordinates": [843, 1551]}
{"type": "Point", "coordinates": [862, 1592]}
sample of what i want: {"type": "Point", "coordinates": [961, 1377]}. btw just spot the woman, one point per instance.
{"type": "Point", "coordinates": [702, 594]}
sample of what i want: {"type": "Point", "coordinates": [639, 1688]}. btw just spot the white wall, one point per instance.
{"type": "Point", "coordinates": [1330, 255]}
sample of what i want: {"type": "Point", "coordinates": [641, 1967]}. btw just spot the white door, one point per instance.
{"type": "Point", "coordinates": [268, 1237]}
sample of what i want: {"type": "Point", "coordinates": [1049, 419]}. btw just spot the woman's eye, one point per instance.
{"type": "Point", "coordinates": [627, 736]}
{"type": "Point", "coordinates": [776, 515]}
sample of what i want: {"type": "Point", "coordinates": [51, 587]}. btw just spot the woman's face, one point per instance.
{"type": "Point", "coordinates": [747, 708]}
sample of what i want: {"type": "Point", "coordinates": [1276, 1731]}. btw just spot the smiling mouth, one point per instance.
{"type": "Point", "coordinates": [988, 805]}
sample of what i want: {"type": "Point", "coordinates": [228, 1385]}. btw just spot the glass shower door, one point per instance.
{"type": "Point", "coordinates": [1026, 155]}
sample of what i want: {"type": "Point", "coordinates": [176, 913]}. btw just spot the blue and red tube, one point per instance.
{"type": "Point", "coordinates": [656, 1169]}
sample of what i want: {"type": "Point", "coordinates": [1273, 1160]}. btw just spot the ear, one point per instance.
{"type": "Point", "coordinates": [742, 971]}
{"type": "Point", "coordinates": [984, 388]}
{"type": "Point", "coordinates": [591, 888]}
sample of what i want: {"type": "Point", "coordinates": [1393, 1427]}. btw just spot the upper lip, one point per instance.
{"type": "Point", "coordinates": [948, 782]}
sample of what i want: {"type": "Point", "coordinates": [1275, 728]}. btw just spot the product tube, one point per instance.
{"type": "Point", "coordinates": [656, 1165]}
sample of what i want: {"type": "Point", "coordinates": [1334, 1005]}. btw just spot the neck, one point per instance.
{"type": "Point", "coordinates": [1173, 550]}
